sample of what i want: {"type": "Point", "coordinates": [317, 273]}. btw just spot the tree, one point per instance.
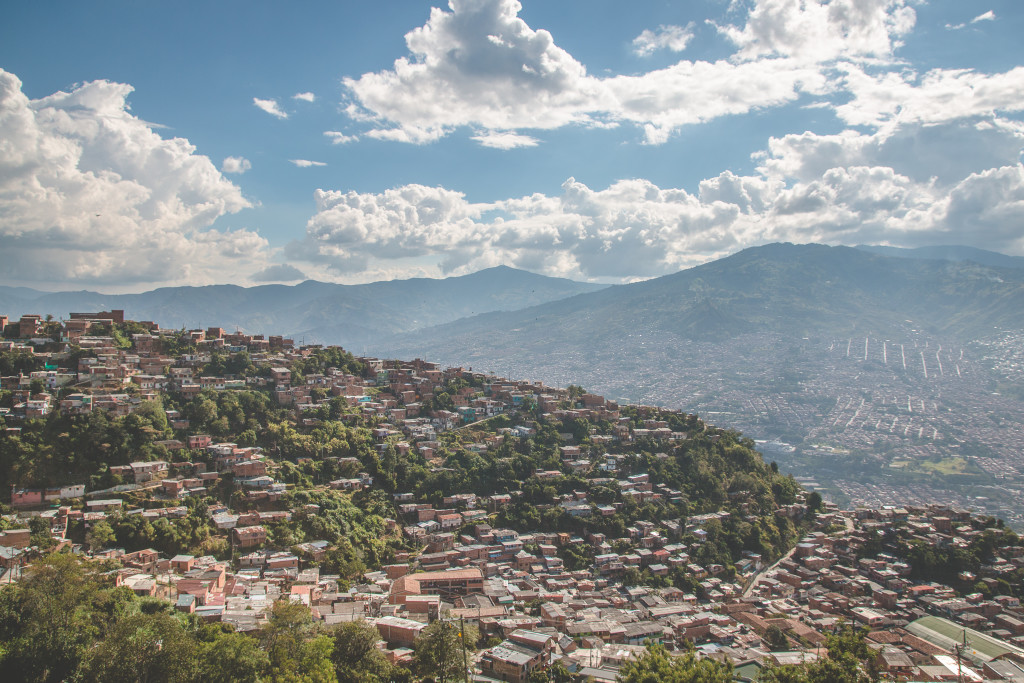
{"type": "Point", "coordinates": [775, 640]}
{"type": "Point", "coordinates": [100, 535]}
{"type": "Point", "coordinates": [356, 657]}
{"type": "Point", "coordinates": [232, 658]}
{"type": "Point", "coordinates": [846, 650]}
{"type": "Point", "coordinates": [656, 666]}
{"type": "Point", "coordinates": [441, 650]}
{"type": "Point", "coordinates": [43, 629]}
{"type": "Point", "coordinates": [143, 647]}
{"type": "Point", "coordinates": [814, 502]}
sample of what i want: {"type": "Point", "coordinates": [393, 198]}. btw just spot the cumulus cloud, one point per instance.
{"type": "Point", "coordinates": [271, 107]}
{"type": "Point", "coordinates": [890, 99]}
{"type": "Point", "coordinates": [946, 152]}
{"type": "Point", "coordinates": [674, 38]}
{"type": "Point", "coordinates": [339, 138]}
{"type": "Point", "coordinates": [817, 31]}
{"type": "Point", "coordinates": [279, 272]}
{"type": "Point", "coordinates": [304, 96]}
{"type": "Point", "coordinates": [235, 165]}
{"type": "Point", "coordinates": [836, 190]}
{"type": "Point", "coordinates": [306, 163]}
{"type": "Point", "coordinates": [480, 65]}
{"type": "Point", "coordinates": [91, 194]}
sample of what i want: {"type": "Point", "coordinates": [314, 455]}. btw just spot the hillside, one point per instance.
{"type": "Point", "coordinates": [895, 378]}
{"type": "Point", "coordinates": [796, 290]}
{"type": "Point", "coordinates": [318, 312]}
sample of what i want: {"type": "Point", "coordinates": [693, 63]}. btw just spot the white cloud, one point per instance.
{"type": "Point", "coordinates": [481, 66]}
{"type": "Point", "coordinates": [850, 188]}
{"type": "Point", "coordinates": [498, 140]}
{"type": "Point", "coordinates": [91, 194]}
{"type": "Point", "coordinates": [235, 165]}
{"type": "Point", "coordinates": [271, 107]}
{"type": "Point", "coordinates": [987, 16]}
{"type": "Point", "coordinates": [279, 272]}
{"type": "Point", "coordinates": [891, 99]}
{"type": "Point", "coordinates": [304, 96]}
{"type": "Point", "coordinates": [306, 163]}
{"type": "Point", "coordinates": [339, 138]}
{"type": "Point", "coordinates": [817, 31]}
{"type": "Point", "coordinates": [947, 152]}
{"type": "Point", "coordinates": [666, 37]}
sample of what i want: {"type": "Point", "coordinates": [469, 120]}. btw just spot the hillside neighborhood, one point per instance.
{"type": "Point", "coordinates": [582, 545]}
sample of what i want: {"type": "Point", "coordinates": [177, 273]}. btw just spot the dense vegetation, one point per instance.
{"type": "Point", "coordinates": [709, 471]}
{"type": "Point", "coordinates": [954, 565]}
{"type": "Point", "coordinates": [67, 622]}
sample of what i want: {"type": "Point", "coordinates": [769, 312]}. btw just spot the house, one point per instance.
{"type": "Point", "coordinates": [447, 584]}
{"type": "Point", "coordinates": [248, 536]}
{"type": "Point", "coordinates": [510, 664]}
{"type": "Point", "coordinates": [400, 632]}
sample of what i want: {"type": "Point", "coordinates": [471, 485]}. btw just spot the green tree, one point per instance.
{"type": "Point", "coordinates": [232, 658]}
{"type": "Point", "coordinates": [100, 535]}
{"type": "Point", "coordinates": [296, 652]}
{"type": "Point", "coordinates": [356, 657]}
{"type": "Point", "coordinates": [44, 626]}
{"type": "Point", "coordinates": [846, 650]}
{"type": "Point", "coordinates": [143, 647]}
{"type": "Point", "coordinates": [775, 640]}
{"type": "Point", "coordinates": [657, 666]}
{"type": "Point", "coordinates": [442, 649]}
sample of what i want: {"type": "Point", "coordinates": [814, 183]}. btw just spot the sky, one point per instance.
{"type": "Point", "coordinates": [147, 144]}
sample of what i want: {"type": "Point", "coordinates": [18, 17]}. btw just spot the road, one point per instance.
{"type": "Point", "coordinates": [767, 570]}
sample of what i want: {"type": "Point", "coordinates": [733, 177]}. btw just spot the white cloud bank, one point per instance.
{"type": "Point", "coordinates": [90, 194]}
{"type": "Point", "coordinates": [479, 65]}
{"type": "Point", "coordinates": [634, 228]}
{"type": "Point", "coordinates": [929, 158]}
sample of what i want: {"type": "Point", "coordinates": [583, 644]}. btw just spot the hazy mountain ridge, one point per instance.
{"type": "Point", "coordinates": [949, 253]}
{"type": "Point", "coordinates": [780, 288]}
{"type": "Point", "coordinates": [352, 315]}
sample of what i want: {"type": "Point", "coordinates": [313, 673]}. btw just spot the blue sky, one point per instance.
{"type": "Point", "coordinates": [147, 144]}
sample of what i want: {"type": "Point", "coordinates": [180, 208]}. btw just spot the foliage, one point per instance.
{"type": "Point", "coordinates": [19, 362]}
{"type": "Point", "coordinates": [441, 650]}
{"type": "Point", "coordinates": [657, 666]}
{"type": "Point", "coordinates": [356, 657]}
{"type": "Point", "coordinates": [847, 650]}
{"type": "Point", "coordinates": [64, 621]}
{"type": "Point", "coordinates": [775, 639]}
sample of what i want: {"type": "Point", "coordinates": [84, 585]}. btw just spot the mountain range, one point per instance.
{"type": "Point", "coordinates": [354, 316]}
{"type": "Point", "coordinates": [792, 290]}
{"type": "Point", "coordinates": [506, 314]}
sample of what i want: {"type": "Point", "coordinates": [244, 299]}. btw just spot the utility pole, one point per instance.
{"type": "Point", "coordinates": [465, 659]}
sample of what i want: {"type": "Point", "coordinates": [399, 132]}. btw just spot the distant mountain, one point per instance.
{"type": "Point", "coordinates": [950, 253]}
{"type": "Point", "coordinates": [351, 315]}
{"type": "Point", "coordinates": [794, 290]}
